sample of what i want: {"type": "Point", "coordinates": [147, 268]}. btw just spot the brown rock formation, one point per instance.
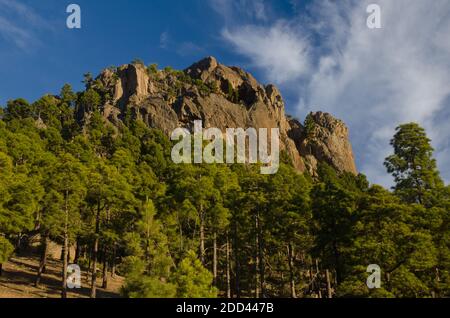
{"type": "Point", "coordinates": [223, 97]}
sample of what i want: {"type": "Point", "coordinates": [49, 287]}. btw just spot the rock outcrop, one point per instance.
{"type": "Point", "coordinates": [326, 140]}
{"type": "Point", "coordinates": [222, 97]}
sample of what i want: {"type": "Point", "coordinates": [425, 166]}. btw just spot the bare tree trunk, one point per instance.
{"type": "Point", "coordinates": [262, 265]}
{"type": "Point", "coordinates": [291, 270]}
{"type": "Point", "coordinates": [215, 257]}
{"type": "Point", "coordinates": [61, 257]}
{"type": "Point", "coordinates": [43, 261]}
{"type": "Point", "coordinates": [337, 263]}
{"type": "Point", "coordinates": [436, 293]}
{"type": "Point", "coordinates": [237, 263]}
{"type": "Point", "coordinates": [257, 260]}
{"type": "Point", "coordinates": [64, 274]}
{"type": "Point", "coordinates": [105, 269]}
{"type": "Point", "coordinates": [94, 269]}
{"type": "Point", "coordinates": [65, 248]}
{"type": "Point", "coordinates": [327, 275]}
{"type": "Point", "coordinates": [89, 257]}
{"type": "Point", "coordinates": [113, 262]}
{"type": "Point", "coordinates": [105, 275]}
{"type": "Point", "coordinates": [228, 269]}
{"type": "Point", "coordinates": [319, 291]}
{"type": "Point", "coordinates": [95, 253]}
{"type": "Point", "coordinates": [202, 239]}
{"type": "Point", "coordinates": [19, 243]}
{"type": "Point", "coordinates": [77, 252]}
{"type": "Point", "coordinates": [311, 278]}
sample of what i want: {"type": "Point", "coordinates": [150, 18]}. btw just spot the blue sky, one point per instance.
{"type": "Point", "coordinates": [48, 54]}
{"type": "Point", "coordinates": [320, 53]}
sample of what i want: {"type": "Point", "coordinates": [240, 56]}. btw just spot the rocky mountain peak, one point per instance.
{"type": "Point", "coordinates": [223, 97]}
{"type": "Point", "coordinates": [327, 139]}
{"type": "Point", "coordinates": [203, 68]}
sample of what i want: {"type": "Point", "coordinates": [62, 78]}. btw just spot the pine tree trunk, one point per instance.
{"type": "Point", "coordinates": [18, 243]}
{"type": "Point", "coordinates": [438, 279]}
{"type": "Point", "coordinates": [319, 291]}
{"type": "Point", "coordinates": [113, 263]}
{"type": "Point", "coordinates": [215, 258]}
{"type": "Point", "coordinates": [147, 249]}
{"type": "Point", "coordinates": [1, 269]}
{"type": "Point", "coordinates": [43, 261]}
{"type": "Point", "coordinates": [291, 270]}
{"type": "Point", "coordinates": [94, 269]}
{"type": "Point", "coordinates": [65, 264]}
{"type": "Point", "coordinates": [105, 270]}
{"type": "Point", "coordinates": [228, 269]}
{"type": "Point", "coordinates": [89, 257]}
{"type": "Point", "coordinates": [77, 252]}
{"type": "Point", "coordinates": [335, 279]}
{"type": "Point", "coordinates": [65, 248]}
{"type": "Point", "coordinates": [337, 262]}
{"type": "Point", "coordinates": [311, 277]}
{"type": "Point", "coordinates": [257, 272]}
{"type": "Point", "coordinates": [327, 275]}
{"type": "Point", "coordinates": [147, 236]}
{"type": "Point", "coordinates": [237, 263]}
{"type": "Point", "coordinates": [202, 239]}
{"type": "Point", "coordinates": [95, 254]}
{"type": "Point", "coordinates": [262, 265]}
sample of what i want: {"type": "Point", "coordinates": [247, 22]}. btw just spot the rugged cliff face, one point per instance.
{"type": "Point", "coordinates": [222, 97]}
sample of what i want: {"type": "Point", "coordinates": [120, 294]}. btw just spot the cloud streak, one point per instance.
{"type": "Point", "coordinates": [235, 10]}
{"type": "Point", "coordinates": [282, 53]}
{"type": "Point", "coordinates": [19, 22]}
{"type": "Point", "coordinates": [164, 40]}
{"type": "Point", "coordinates": [377, 79]}
{"type": "Point", "coordinates": [372, 79]}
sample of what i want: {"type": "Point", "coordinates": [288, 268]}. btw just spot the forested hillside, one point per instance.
{"type": "Point", "coordinates": [113, 193]}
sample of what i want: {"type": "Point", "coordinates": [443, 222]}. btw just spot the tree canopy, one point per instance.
{"type": "Point", "coordinates": [213, 230]}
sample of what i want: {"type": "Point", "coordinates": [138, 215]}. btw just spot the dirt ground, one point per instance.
{"type": "Point", "coordinates": [19, 274]}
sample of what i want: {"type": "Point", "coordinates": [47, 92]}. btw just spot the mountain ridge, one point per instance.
{"type": "Point", "coordinates": [222, 97]}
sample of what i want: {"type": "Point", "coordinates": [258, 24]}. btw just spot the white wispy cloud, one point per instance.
{"type": "Point", "coordinates": [372, 79]}
{"type": "Point", "coordinates": [256, 8]}
{"type": "Point", "coordinates": [185, 48]}
{"type": "Point", "coordinates": [164, 40]}
{"type": "Point", "coordinates": [19, 23]}
{"type": "Point", "coordinates": [189, 48]}
{"type": "Point", "coordinates": [377, 79]}
{"type": "Point", "coordinates": [13, 33]}
{"type": "Point", "coordinates": [282, 53]}
{"type": "Point", "coordinates": [232, 10]}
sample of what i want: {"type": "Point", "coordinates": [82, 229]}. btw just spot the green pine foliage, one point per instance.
{"type": "Point", "coordinates": [192, 279]}
{"type": "Point", "coordinates": [152, 69]}
{"type": "Point", "coordinates": [413, 167]}
{"type": "Point", "coordinates": [309, 125]}
{"type": "Point", "coordinates": [214, 230]}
